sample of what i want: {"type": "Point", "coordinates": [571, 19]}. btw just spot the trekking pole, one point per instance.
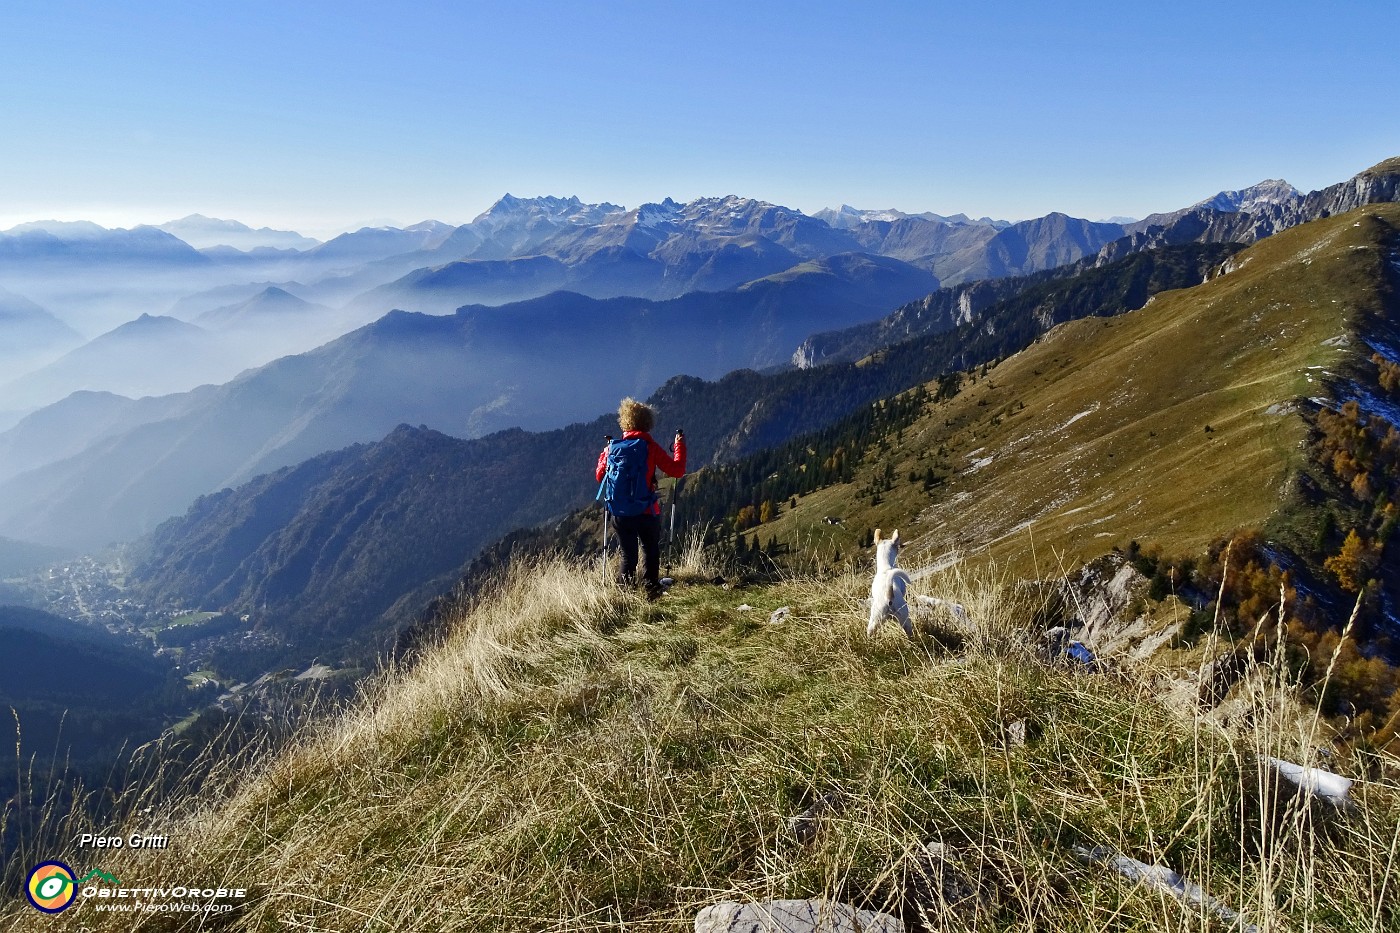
{"type": "Point", "coordinates": [605, 545]}
{"type": "Point", "coordinates": [671, 535]}
{"type": "Point", "coordinates": [604, 562]}
{"type": "Point", "coordinates": [675, 494]}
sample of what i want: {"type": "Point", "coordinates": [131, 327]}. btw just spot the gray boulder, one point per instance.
{"type": "Point", "coordinates": [794, 916]}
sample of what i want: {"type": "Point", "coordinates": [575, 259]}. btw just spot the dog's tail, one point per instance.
{"type": "Point", "coordinates": [899, 582]}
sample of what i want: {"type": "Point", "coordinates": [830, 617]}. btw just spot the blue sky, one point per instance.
{"type": "Point", "coordinates": [321, 116]}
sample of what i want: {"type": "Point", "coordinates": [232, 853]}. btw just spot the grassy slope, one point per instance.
{"type": "Point", "coordinates": [1097, 434]}
{"type": "Point", "coordinates": [574, 759]}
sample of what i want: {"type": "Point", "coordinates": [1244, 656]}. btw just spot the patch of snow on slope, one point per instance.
{"type": "Point", "coordinates": [1083, 414]}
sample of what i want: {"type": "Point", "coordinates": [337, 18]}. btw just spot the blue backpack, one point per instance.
{"type": "Point", "coordinates": [626, 488]}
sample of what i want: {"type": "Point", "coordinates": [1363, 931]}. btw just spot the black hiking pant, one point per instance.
{"type": "Point", "coordinates": [646, 530]}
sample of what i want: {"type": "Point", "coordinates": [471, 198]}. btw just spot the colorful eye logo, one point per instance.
{"type": "Point", "coordinates": [50, 887]}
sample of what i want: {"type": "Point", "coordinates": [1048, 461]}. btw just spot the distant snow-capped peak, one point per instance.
{"type": "Point", "coordinates": [732, 212]}
{"type": "Point", "coordinates": [652, 215]}
{"type": "Point", "coordinates": [846, 217]}
{"type": "Point", "coordinates": [430, 226]}
{"type": "Point", "coordinates": [203, 232]}
{"type": "Point", "coordinates": [1246, 200]}
{"type": "Point", "coordinates": [570, 210]}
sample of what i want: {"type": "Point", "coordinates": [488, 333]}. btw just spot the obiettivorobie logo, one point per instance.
{"type": "Point", "coordinates": [51, 887]}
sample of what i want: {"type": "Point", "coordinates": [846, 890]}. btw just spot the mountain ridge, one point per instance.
{"type": "Point", "coordinates": [119, 361]}
{"type": "Point", "coordinates": [203, 232]}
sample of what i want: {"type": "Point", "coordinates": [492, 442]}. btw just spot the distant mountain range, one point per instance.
{"type": "Point", "coordinates": [1275, 206]}
{"type": "Point", "coordinates": [84, 420]}
{"type": "Point", "coordinates": [79, 243]}
{"type": "Point", "coordinates": [668, 249]}
{"type": "Point", "coordinates": [160, 355]}
{"type": "Point", "coordinates": [95, 279]}
{"type": "Point", "coordinates": [845, 217]}
{"type": "Point", "coordinates": [204, 232]}
{"type": "Point", "coordinates": [1253, 199]}
{"type": "Point", "coordinates": [534, 364]}
{"type": "Point", "coordinates": [553, 357]}
{"type": "Point", "coordinates": [657, 250]}
{"type": "Point", "coordinates": [1225, 218]}
{"type": "Point", "coordinates": [272, 307]}
{"type": "Point", "coordinates": [29, 335]}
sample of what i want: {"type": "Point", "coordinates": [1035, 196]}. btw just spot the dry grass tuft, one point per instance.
{"type": "Point", "coordinates": [573, 758]}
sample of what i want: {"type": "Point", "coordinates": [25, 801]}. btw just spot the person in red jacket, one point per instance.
{"type": "Point", "coordinates": [637, 420]}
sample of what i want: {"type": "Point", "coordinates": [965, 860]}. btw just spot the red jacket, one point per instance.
{"type": "Point", "coordinates": [657, 458]}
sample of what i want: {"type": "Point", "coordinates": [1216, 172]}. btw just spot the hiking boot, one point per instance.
{"type": "Point", "coordinates": [654, 592]}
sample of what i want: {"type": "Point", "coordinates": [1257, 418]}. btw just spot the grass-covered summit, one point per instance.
{"type": "Point", "coordinates": [570, 757]}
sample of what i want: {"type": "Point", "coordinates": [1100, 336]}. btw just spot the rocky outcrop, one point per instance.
{"type": "Point", "coordinates": [794, 916]}
{"type": "Point", "coordinates": [1205, 223]}
{"type": "Point", "coordinates": [805, 825]}
{"type": "Point", "coordinates": [941, 311]}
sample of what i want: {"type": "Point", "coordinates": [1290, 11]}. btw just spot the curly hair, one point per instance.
{"type": "Point", "coordinates": [632, 415]}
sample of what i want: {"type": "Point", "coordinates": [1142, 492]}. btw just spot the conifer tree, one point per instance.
{"type": "Point", "coordinates": [1354, 564]}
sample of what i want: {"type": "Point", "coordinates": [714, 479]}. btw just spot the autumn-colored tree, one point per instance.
{"type": "Point", "coordinates": [765, 512]}
{"type": "Point", "coordinates": [1389, 373]}
{"type": "Point", "coordinates": [1253, 583]}
{"type": "Point", "coordinates": [746, 518]}
{"type": "Point", "coordinates": [1355, 563]}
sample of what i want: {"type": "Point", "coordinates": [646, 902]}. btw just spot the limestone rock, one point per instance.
{"type": "Point", "coordinates": [794, 916]}
{"type": "Point", "coordinates": [1325, 785]}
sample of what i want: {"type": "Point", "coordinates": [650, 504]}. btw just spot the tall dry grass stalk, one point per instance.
{"type": "Point", "coordinates": [693, 560]}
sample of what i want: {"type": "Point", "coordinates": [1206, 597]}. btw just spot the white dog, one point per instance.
{"type": "Point", "coordinates": [887, 589]}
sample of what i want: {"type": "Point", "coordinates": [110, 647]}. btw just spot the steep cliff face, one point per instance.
{"type": "Point", "coordinates": [1204, 223]}
{"type": "Point", "coordinates": [1378, 184]}
{"type": "Point", "coordinates": [943, 310]}
{"type": "Point", "coordinates": [1026, 305]}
